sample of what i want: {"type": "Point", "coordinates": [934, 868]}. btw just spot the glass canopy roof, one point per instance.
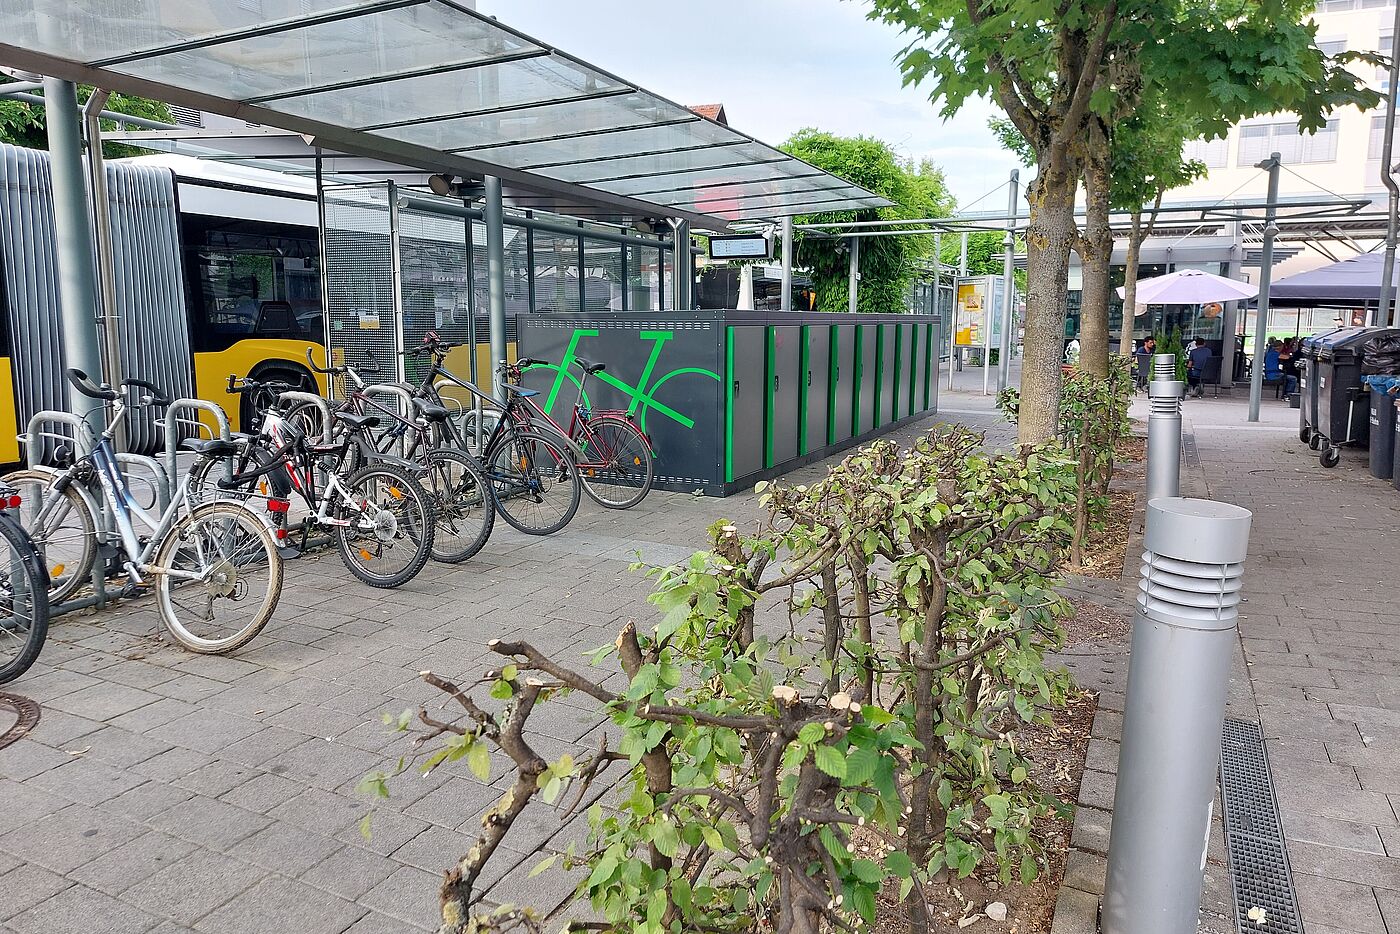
{"type": "Point", "coordinates": [425, 79]}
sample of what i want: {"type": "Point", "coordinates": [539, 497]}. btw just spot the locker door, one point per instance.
{"type": "Point", "coordinates": [919, 360]}
{"type": "Point", "coordinates": [816, 391]}
{"type": "Point", "coordinates": [785, 386]}
{"type": "Point", "coordinates": [867, 379]}
{"type": "Point", "coordinates": [887, 373]}
{"type": "Point", "coordinates": [745, 392]}
{"type": "Point", "coordinates": [843, 376]}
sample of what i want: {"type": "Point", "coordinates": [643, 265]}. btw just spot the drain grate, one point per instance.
{"type": "Point", "coordinates": [1253, 833]}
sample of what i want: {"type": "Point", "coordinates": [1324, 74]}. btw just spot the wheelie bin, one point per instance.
{"type": "Point", "coordinates": [1395, 449]}
{"type": "Point", "coordinates": [1382, 419]}
{"type": "Point", "coordinates": [1343, 403]}
{"type": "Point", "coordinates": [1307, 387]}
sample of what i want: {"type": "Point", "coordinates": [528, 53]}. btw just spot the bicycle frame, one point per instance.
{"type": "Point", "coordinates": [123, 507]}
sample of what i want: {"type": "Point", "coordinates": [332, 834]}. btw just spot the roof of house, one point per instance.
{"type": "Point", "coordinates": [713, 112]}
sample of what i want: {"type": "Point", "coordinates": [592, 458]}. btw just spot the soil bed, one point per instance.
{"type": "Point", "coordinates": [1057, 753]}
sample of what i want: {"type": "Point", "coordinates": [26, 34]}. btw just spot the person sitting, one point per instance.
{"type": "Point", "coordinates": [1273, 368]}
{"type": "Point", "coordinates": [1196, 360]}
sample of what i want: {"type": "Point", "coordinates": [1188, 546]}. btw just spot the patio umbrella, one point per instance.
{"type": "Point", "coordinates": [1191, 287]}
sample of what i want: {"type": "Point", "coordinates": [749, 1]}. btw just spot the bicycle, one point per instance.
{"type": "Point", "coordinates": [200, 559]}
{"type": "Point", "coordinates": [380, 517]}
{"type": "Point", "coordinates": [460, 494]}
{"type": "Point", "coordinates": [24, 604]}
{"type": "Point", "coordinates": [617, 466]}
{"type": "Point", "coordinates": [526, 464]}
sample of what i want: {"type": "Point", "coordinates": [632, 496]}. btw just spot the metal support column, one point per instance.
{"type": "Point", "coordinates": [109, 328]}
{"type": "Point", "coordinates": [682, 266]}
{"type": "Point", "coordinates": [1164, 428]}
{"type": "Point", "coordinates": [962, 256]}
{"type": "Point", "coordinates": [1008, 275]}
{"type": "Point", "coordinates": [785, 299]}
{"type": "Point", "coordinates": [496, 279]}
{"type": "Point", "coordinates": [853, 276]}
{"type": "Point", "coordinates": [1178, 678]}
{"type": "Point", "coordinates": [1383, 316]}
{"type": "Point", "coordinates": [1266, 272]}
{"type": "Point", "coordinates": [77, 275]}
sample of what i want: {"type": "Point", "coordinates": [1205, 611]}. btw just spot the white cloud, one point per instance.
{"type": "Point", "coordinates": [777, 66]}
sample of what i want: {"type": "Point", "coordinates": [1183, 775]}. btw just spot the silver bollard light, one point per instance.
{"type": "Point", "coordinates": [1165, 393]}
{"type": "Point", "coordinates": [1178, 679]}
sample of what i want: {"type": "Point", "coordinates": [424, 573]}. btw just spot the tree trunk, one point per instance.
{"type": "Point", "coordinates": [1130, 278]}
{"type": "Point", "coordinates": [1095, 250]}
{"type": "Point", "coordinates": [1050, 233]}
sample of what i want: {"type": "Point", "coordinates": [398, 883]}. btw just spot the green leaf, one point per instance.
{"type": "Point", "coordinates": [1018, 775]}
{"type": "Point", "coordinates": [479, 761]}
{"type": "Point", "coordinates": [830, 761]}
{"type": "Point", "coordinates": [861, 764]}
{"type": "Point", "coordinates": [811, 734]}
{"type": "Point", "coordinates": [502, 690]}
{"type": "Point", "coordinates": [665, 837]}
{"type": "Point", "coordinates": [603, 870]}
{"type": "Point", "coordinates": [863, 901]}
{"type": "Point", "coordinates": [509, 672]}
{"type": "Point", "coordinates": [364, 824]}
{"type": "Point", "coordinates": [541, 866]}
{"type": "Point", "coordinates": [1029, 868]}
{"type": "Point", "coordinates": [899, 863]}
{"type": "Point", "coordinates": [552, 789]}
{"type": "Point", "coordinates": [867, 871]}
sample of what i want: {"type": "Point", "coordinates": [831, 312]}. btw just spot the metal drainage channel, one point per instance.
{"type": "Point", "coordinates": [1253, 833]}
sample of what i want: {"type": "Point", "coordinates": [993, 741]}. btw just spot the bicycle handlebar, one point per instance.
{"type": "Point", "coordinates": [84, 384]}
{"type": "Point", "coordinates": [158, 396]}
{"type": "Point", "coordinates": [238, 387]}
{"type": "Point", "coordinates": [343, 369]}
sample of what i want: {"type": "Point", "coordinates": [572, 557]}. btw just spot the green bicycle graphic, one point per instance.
{"type": "Point", "coordinates": [642, 397]}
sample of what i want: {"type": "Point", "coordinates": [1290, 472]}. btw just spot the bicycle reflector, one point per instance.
{"type": "Point", "coordinates": [11, 501]}
{"type": "Point", "coordinates": [279, 505]}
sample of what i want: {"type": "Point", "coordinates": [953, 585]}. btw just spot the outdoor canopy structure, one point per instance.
{"type": "Point", "coordinates": [430, 84]}
{"type": "Point", "coordinates": [1352, 283]}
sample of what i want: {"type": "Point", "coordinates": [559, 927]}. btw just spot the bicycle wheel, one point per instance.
{"type": "Point", "coordinates": [390, 532]}
{"type": "Point", "coordinates": [219, 579]}
{"type": "Point", "coordinates": [626, 472]}
{"type": "Point", "coordinates": [24, 604]}
{"type": "Point", "coordinates": [65, 536]}
{"type": "Point", "coordinates": [534, 480]}
{"type": "Point", "coordinates": [462, 504]}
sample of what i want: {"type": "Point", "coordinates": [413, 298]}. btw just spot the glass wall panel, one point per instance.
{"type": "Point", "coordinates": [643, 278]}
{"type": "Point", "coordinates": [557, 264]}
{"type": "Point", "coordinates": [602, 275]}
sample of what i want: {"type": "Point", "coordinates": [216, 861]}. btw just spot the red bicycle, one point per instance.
{"type": "Point", "coordinates": [613, 456]}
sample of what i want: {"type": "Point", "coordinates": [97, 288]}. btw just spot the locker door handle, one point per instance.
{"type": "Point", "coordinates": [777, 382]}
{"type": "Point", "coordinates": [809, 377]}
{"type": "Point", "coordinates": [736, 387]}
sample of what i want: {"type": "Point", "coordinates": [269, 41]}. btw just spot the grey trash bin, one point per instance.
{"type": "Point", "coordinates": [1382, 434]}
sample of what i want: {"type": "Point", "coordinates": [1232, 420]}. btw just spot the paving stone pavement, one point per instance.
{"type": "Point", "coordinates": [167, 792]}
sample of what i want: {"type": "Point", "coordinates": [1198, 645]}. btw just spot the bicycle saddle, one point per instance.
{"type": "Point", "coordinates": [590, 368]}
{"type": "Point", "coordinates": [213, 447]}
{"type": "Point", "coordinates": [356, 422]}
{"type": "Point", "coordinates": [431, 411]}
{"type": "Point", "coordinates": [520, 391]}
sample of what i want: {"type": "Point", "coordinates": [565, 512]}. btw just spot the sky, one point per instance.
{"type": "Point", "coordinates": [777, 66]}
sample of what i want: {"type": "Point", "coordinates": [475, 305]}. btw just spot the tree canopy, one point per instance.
{"type": "Point", "coordinates": [1067, 72]}
{"type": "Point", "coordinates": [886, 263]}
{"type": "Point", "coordinates": [23, 124]}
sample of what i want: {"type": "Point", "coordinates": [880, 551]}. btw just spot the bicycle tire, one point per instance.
{"type": "Point", "coordinates": [58, 542]}
{"type": "Point", "coordinates": [408, 493]}
{"type": "Point", "coordinates": [224, 577]}
{"type": "Point", "coordinates": [516, 488]}
{"type": "Point", "coordinates": [463, 505]}
{"type": "Point", "coordinates": [619, 486]}
{"type": "Point", "coordinates": [203, 488]}
{"type": "Point", "coordinates": [24, 560]}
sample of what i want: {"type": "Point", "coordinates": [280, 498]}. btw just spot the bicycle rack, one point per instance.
{"type": "Point", "coordinates": [175, 419]}
{"type": "Point", "coordinates": [327, 430]}
{"type": "Point", "coordinates": [405, 399]}
{"type": "Point", "coordinates": [81, 438]}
